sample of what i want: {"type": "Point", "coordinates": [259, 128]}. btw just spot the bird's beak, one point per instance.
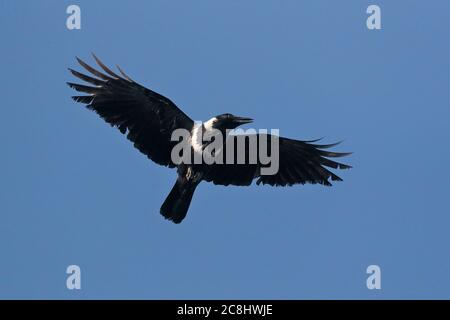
{"type": "Point", "coordinates": [242, 120]}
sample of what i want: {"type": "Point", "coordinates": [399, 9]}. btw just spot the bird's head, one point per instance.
{"type": "Point", "coordinates": [228, 121]}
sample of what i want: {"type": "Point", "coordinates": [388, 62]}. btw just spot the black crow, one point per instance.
{"type": "Point", "coordinates": [149, 120]}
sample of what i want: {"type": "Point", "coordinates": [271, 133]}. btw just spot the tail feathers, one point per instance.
{"type": "Point", "coordinates": [176, 205]}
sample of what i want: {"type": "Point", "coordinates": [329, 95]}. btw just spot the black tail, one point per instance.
{"type": "Point", "coordinates": [176, 205]}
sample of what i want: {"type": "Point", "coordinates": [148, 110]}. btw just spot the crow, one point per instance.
{"type": "Point", "coordinates": [149, 120]}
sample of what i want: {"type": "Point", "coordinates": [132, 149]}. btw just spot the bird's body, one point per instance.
{"type": "Point", "coordinates": [150, 120]}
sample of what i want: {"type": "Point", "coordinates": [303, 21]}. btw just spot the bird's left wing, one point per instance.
{"type": "Point", "coordinates": [300, 162]}
{"type": "Point", "coordinates": [146, 117]}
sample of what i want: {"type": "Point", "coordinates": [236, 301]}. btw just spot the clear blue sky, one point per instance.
{"type": "Point", "coordinates": [75, 191]}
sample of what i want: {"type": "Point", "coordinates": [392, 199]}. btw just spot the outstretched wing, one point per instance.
{"type": "Point", "coordinates": [300, 162]}
{"type": "Point", "coordinates": [146, 117]}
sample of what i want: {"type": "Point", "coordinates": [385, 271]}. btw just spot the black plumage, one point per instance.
{"type": "Point", "coordinates": [146, 117]}
{"type": "Point", "coordinates": [300, 162]}
{"type": "Point", "coordinates": [148, 120]}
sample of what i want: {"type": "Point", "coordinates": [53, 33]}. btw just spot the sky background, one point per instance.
{"type": "Point", "coordinates": [75, 191]}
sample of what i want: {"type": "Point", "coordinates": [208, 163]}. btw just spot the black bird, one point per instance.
{"type": "Point", "coordinates": [148, 120]}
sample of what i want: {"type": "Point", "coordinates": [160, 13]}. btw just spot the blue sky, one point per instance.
{"type": "Point", "coordinates": [75, 191]}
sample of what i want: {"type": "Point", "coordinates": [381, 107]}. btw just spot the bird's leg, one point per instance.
{"type": "Point", "coordinates": [189, 173]}
{"type": "Point", "coordinates": [193, 176]}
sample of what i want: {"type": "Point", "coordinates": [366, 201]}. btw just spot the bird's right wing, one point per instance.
{"type": "Point", "coordinates": [147, 117]}
{"type": "Point", "coordinates": [300, 162]}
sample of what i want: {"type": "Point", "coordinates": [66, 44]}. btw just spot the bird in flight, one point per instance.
{"type": "Point", "coordinates": [149, 119]}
